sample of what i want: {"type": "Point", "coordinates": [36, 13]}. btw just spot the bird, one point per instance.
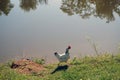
{"type": "Point", "coordinates": [64, 56]}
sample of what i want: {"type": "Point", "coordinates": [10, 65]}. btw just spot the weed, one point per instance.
{"type": "Point", "coordinates": [102, 67]}
{"type": "Point", "coordinates": [39, 61]}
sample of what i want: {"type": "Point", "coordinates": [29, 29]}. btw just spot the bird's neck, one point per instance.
{"type": "Point", "coordinates": [67, 50]}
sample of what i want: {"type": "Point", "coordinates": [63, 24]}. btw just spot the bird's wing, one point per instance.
{"type": "Point", "coordinates": [61, 54]}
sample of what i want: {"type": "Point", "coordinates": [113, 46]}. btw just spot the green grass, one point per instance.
{"type": "Point", "coordinates": [102, 67]}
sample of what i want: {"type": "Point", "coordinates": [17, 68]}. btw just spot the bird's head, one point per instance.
{"type": "Point", "coordinates": [69, 47]}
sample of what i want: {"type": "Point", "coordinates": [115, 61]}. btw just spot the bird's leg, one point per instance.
{"type": "Point", "coordinates": [67, 62]}
{"type": "Point", "coordinates": [59, 63]}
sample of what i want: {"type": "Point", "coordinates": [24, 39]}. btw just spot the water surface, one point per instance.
{"type": "Point", "coordinates": [38, 28]}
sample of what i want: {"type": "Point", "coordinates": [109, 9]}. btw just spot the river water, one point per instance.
{"type": "Point", "coordinates": [38, 28]}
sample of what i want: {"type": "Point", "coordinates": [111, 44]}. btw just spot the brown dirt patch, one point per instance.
{"type": "Point", "coordinates": [27, 66]}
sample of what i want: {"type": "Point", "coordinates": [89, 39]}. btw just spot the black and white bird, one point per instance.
{"type": "Point", "coordinates": [64, 56]}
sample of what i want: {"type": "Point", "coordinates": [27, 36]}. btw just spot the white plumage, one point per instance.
{"type": "Point", "coordinates": [64, 56]}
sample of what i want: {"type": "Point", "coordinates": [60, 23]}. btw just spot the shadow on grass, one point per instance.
{"type": "Point", "coordinates": [60, 68]}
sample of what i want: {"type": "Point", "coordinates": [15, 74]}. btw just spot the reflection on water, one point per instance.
{"type": "Point", "coordinates": [5, 7]}
{"type": "Point", "coordinates": [43, 1]}
{"type": "Point", "coordinates": [28, 5]}
{"type": "Point", "coordinates": [28, 28]}
{"type": "Point", "coordinates": [104, 9]}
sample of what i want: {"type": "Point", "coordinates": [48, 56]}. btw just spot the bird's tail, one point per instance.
{"type": "Point", "coordinates": [56, 54]}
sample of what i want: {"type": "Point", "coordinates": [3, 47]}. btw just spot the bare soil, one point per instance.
{"type": "Point", "coordinates": [27, 66]}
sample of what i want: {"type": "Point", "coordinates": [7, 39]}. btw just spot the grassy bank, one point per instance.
{"type": "Point", "coordinates": [102, 67]}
